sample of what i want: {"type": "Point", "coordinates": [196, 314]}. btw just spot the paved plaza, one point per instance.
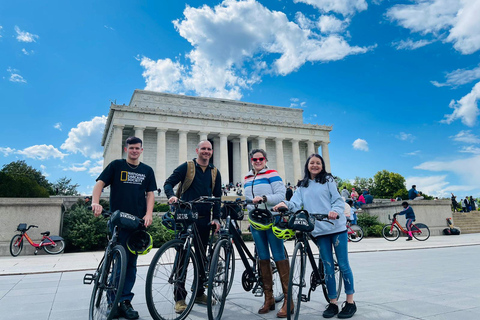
{"type": "Point", "coordinates": [436, 279]}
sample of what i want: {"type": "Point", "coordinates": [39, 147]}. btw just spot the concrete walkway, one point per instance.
{"type": "Point", "coordinates": [435, 279]}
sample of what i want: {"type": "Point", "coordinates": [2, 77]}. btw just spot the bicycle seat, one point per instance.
{"type": "Point", "coordinates": [46, 233]}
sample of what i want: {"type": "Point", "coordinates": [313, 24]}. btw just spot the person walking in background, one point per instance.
{"type": "Point", "coordinates": [318, 192]}
{"type": "Point", "coordinates": [472, 204]}
{"type": "Point", "coordinates": [464, 206]}
{"type": "Point", "coordinates": [289, 193]}
{"type": "Point", "coordinates": [265, 185]}
{"type": "Point", "coordinates": [467, 204]}
{"type": "Point", "coordinates": [132, 185]}
{"type": "Point", "coordinates": [345, 193]}
{"type": "Point", "coordinates": [454, 202]}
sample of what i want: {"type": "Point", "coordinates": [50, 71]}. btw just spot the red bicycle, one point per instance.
{"type": "Point", "coordinates": [51, 244]}
{"type": "Point", "coordinates": [391, 232]}
{"type": "Point", "coordinates": [354, 232]}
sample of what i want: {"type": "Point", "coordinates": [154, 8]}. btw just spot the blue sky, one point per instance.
{"type": "Point", "coordinates": [399, 81]}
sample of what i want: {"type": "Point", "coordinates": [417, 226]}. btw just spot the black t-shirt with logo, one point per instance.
{"type": "Point", "coordinates": [128, 186]}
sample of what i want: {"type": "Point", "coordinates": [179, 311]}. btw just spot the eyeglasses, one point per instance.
{"type": "Point", "coordinates": [258, 159]}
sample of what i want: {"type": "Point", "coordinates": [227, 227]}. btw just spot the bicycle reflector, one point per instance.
{"type": "Point", "coordinates": [281, 230]}
{"type": "Point", "coordinates": [140, 242]}
{"type": "Point", "coordinates": [260, 219]}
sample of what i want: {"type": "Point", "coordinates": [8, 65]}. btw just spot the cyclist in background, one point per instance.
{"type": "Point", "coordinates": [317, 193]}
{"type": "Point", "coordinates": [132, 184]}
{"type": "Point", "coordinates": [265, 185]}
{"type": "Point", "coordinates": [409, 215]}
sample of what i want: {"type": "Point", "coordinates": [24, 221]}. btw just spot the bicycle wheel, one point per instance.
{"type": "Point", "coordinates": [277, 283]}
{"type": "Point", "coordinates": [355, 233]}
{"type": "Point", "coordinates": [390, 233]}
{"type": "Point", "coordinates": [231, 270]}
{"type": "Point", "coordinates": [16, 245]}
{"type": "Point", "coordinates": [219, 279]}
{"type": "Point", "coordinates": [296, 282]}
{"type": "Point", "coordinates": [57, 248]}
{"type": "Point", "coordinates": [170, 274]}
{"type": "Point", "coordinates": [420, 231]}
{"type": "Point", "coordinates": [108, 285]}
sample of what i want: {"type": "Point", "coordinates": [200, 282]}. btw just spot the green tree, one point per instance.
{"type": "Point", "coordinates": [18, 186]}
{"type": "Point", "coordinates": [387, 184]}
{"type": "Point", "coordinates": [65, 187]}
{"type": "Point", "coordinates": [20, 168]}
{"type": "Point", "coordinates": [361, 184]}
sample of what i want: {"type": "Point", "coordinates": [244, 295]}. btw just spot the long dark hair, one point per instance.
{"type": "Point", "coordinates": [322, 177]}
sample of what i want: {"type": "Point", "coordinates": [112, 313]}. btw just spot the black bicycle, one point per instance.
{"type": "Point", "coordinates": [222, 267]}
{"type": "Point", "coordinates": [109, 277]}
{"type": "Point", "coordinates": [175, 274]}
{"type": "Point", "coordinates": [298, 265]}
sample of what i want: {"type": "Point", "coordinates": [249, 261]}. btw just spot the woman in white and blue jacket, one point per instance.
{"type": "Point", "coordinates": [265, 185]}
{"type": "Point", "coordinates": [317, 193]}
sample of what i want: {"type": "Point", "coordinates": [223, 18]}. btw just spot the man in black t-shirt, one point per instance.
{"type": "Point", "coordinates": [132, 184]}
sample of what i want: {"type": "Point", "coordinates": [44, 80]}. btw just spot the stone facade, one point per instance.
{"type": "Point", "coordinates": [172, 125]}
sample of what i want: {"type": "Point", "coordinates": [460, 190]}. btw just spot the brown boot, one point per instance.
{"type": "Point", "coordinates": [266, 274]}
{"type": "Point", "coordinates": [283, 267]}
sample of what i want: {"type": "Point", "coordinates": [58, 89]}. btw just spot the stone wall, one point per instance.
{"type": "Point", "coordinates": [431, 212]}
{"type": "Point", "coordinates": [46, 213]}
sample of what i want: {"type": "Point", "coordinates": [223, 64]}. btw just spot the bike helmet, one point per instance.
{"type": "Point", "coordinates": [260, 219]}
{"type": "Point", "coordinates": [168, 221]}
{"type": "Point", "coordinates": [281, 230]}
{"type": "Point", "coordinates": [140, 242]}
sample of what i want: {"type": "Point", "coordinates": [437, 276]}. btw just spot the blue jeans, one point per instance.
{"type": "Point", "coordinates": [339, 241]}
{"type": "Point", "coordinates": [262, 239]}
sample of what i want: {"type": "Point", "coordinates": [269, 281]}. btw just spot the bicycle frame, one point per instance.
{"type": "Point", "coordinates": [395, 222]}
{"type": "Point", "coordinates": [36, 245]}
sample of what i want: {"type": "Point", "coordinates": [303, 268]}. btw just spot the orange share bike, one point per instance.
{"type": "Point", "coordinates": [51, 244]}
{"type": "Point", "coordinates": [391, 232]}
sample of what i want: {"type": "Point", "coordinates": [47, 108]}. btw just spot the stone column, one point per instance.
{"type": "Point", "coordinates": [310, 148]}
{"type": "Point", "coordinates": [116, 145]}
{"type": "Point", "coordinates": [236, 170]}
{"type": "Point", "coordinates": [203, 136]}
{"type": "Point", "coordinates": [139, 134]}
{"type": "Point", "coordinates": [216, 152]}
{"type": "Point", "coordinates": [261, 143]}
{"type": "Point", "coordinates": [280, 161]}
{"type": "Point", "coordinates": [297, 166]}
{"type": "Point", "coordinates": [224, 158]}
{"type": "Point", "coordinates": [182, 146]}
{"type": "Point", "coordinates": [161, 164]}
{"type": "Point", "coordinates": [243, 155]}
{"type": "Point", "coordinates": [326, 156]}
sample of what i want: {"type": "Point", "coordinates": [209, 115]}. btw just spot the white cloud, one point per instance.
{"type": "Point", "coordinates": [24, 36]}
{"type": "Point", "coordinates": [459, 18]}
{"type": "Point", "coordinates": [344, 7]}
{"type": "Point", "coordinates": [86, 138]}
{"type": "Point", "coordinates": [409, 44]}
{"type": "Point", "coordinates": [405, 136]}
{"type": "Point", "coordinates": [78, 167]}
{"type": "Point", "coordinates": [330, 24]}
{"type": "Point", "coordinates": [108, 27]}
{"type": "Point", "coordinates": [1, 31]}
{"type": "Point", "coordinates": [96, 170]}
{"type": "Point", "coordinates": [466, 108]}
{"type": "Point", "coordinates": [296, 103]}
{"type": "Point", "coordinates": [360, 144]}
{"type": "Point", "coordinates": [58, 126]}
{"type": "Point", "coordinates": [433, 185]}
{"type": "Point", "coordinates": [231, 42]}
{"type": "Point", "coordinates": [466, 136]}
{"type": "Point", "coordinates": [413, 153]}
{"type": "Point", "coordinates": [26, 52]}
{"type": "Point", "coordinates": [459, 77]}
{"type": "Point", "coordinates": [41, 152]}
{"type": "Point", "coordinates": [304, 22]}
{"type": "Point", "coordinates": [465, 169]}
{"type": "Point", "coordinates": [44, 170]}
{"type": "Point", "coordinates": [15, 76]}
{"type": "Point", "coordinates": [470, 149]}
{"type": "Point", "coordinates": [7, 151]}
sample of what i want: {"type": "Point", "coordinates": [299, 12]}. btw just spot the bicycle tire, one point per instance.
{"type": "Point", "coordinates": [16, 245]}
{"type": "Point", "coordinates": [357, 234]}
{"type": "Point", "coordinates": [55, 249]}
{"type": "Point", "coordinates": [278, 294]}
{"type": "Point", "coordinates": [296, 282]}
{"type": "Point", "coordinates": [424, 231]}
{"type": "Point", "coordinates": [108, 285]}
{"type": "Point", "coordinates": [162, 280]}
{"type": "Point", "coordinates": [219, 279]}
{"type": "Point", "coordinates": [338, 279]}
{"type": "Point", "coordinates": [390, 233]}
{"type": "Point", "coordinates": [231, 272]}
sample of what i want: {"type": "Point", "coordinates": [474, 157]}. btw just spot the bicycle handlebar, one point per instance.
{"type": "Point", "coordinates": [108, 214]}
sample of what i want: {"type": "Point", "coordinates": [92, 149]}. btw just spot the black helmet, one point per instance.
{"type": "Point", "coordinates": [140, 242]}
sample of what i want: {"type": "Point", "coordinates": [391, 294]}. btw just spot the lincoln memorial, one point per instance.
{"type": "Point", "coordinates": [171, 126]}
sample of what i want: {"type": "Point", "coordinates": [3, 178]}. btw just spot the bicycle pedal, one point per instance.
{"type": "Point", "coordinates": [88, 278]}
{"type": "Point", "coordinates": [304, 298]}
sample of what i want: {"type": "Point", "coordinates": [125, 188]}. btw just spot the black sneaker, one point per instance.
{"type": "Point", "coordinates": [348, 310]}
{"type": "Point", "coordinates": [126, 310]}
{"type": "Point", "coordinates": [330, 311]}
{"type": "Point", "coordinates": [408, 239]}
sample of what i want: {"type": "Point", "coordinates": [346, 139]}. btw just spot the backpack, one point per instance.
{"type": "Point", "coordinates": [187, 182]}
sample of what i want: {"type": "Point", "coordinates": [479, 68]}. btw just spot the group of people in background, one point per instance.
{"type": "Point", "coordinates": [468, 204]}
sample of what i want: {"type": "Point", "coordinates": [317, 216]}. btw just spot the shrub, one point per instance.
{"type": "Point", "coordinates": [370, 225]}
{"type": "Point", "coordinates": [82, 230]}
{"type": "Point", "coordinates": [159, 233]}
{"type": "Point", "coordinates": [160, 207]}
{"type": "Point", "coordinates": [375, 231]}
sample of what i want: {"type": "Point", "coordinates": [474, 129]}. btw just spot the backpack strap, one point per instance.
{"type": "Point", "coordinates": [187, 182]}
{"type": "Point", "coordinates": [214, 177]}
